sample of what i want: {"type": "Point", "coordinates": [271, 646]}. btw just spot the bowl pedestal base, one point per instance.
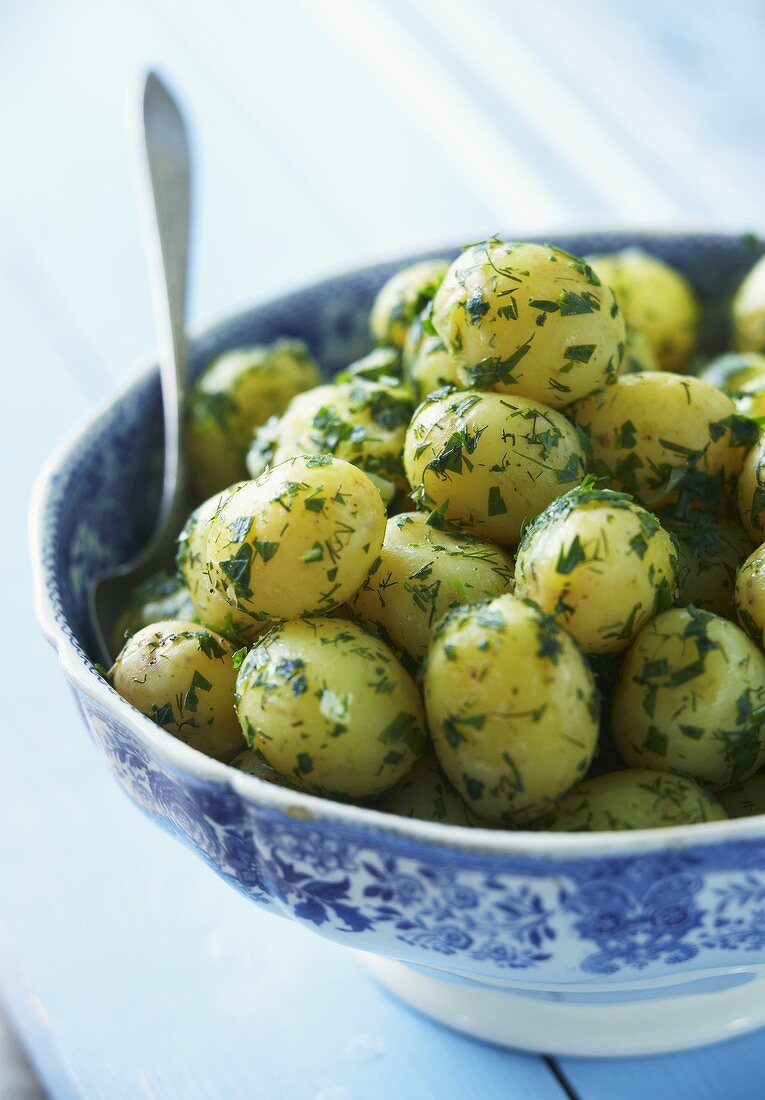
{"type": "Point", "coordinates": [669, 1018]}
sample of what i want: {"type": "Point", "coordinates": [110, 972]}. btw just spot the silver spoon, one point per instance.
{"type": "Point", "coordinates": [166, 199]}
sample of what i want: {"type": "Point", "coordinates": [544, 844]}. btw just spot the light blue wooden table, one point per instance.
{"type": "Point", "coordinates": [328, 133]}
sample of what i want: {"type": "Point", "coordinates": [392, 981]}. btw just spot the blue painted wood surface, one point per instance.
{"type": "Point", "coordinates": [328, 133]}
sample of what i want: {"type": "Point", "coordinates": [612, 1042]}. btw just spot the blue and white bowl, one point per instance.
{"type": "Point", "coordinates": [571, 944]}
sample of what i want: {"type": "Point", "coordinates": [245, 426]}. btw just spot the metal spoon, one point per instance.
{"type": "Point", "coordinates": [166, 199]}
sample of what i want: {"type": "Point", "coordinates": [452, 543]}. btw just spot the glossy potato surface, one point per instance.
{"type": "Point", "coordinates": [512, 708]}
{"type": "Point", "coordinates": [327, 704]}
{"type": "Point", "coordinates": [488, 462]}
{"type": "Point", "coordinates": [601, 564]}
{"type": "Point", "coordinates": [656, 299]}
{"type": "Point", "coordinates": [238, 391]}
{"type": "Point", "coordinates": [634, 798]}
{"type": "Point", "coordinates": [691, 699]}
{"type": "Point", "coordinates": [530, 320]}
{"type": "Point", "coordinates": [402, 298]}
{"type": "Point", "coordinates": [362, 422]}
{"type": "Point", "coordinates": [182, 676]}
{"type": "Point", "coordinates": [421, 573]}
{"type": "Point", "coordinates": [297, 541]}
{"type": "Point", "coordinates": [662, 437]}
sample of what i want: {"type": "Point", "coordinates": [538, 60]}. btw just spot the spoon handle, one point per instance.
{"type": "Point", "coordinates": [167, 206]}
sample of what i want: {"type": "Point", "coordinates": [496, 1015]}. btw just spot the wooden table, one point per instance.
{"type": "Point", "coordinates": [328, 133]}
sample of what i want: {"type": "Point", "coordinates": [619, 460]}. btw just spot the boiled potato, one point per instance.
{"type": "Point", "coordinates": [182, 676]}
{"type": "Point", "coordinates": [729, 372]}
{"type": "Point", "coordinates": [512, 708]}
{"type": "Point", "coordinates": [425, 793]}
{"type": "Point", "coordinates": [599, 563]}
{"type": "Point", "coordinates": [666, 438]}
{"type": "Point", "coordinates": [750, 491]}
{"type": "Point", "coordinates": [656, 300]}
{"type": "Point", "coordinates": [327, 704]}
{"type": "Point", "coordinates": [530, 320]}
{"type": "Point", "coordinates": [161, 596]}
{"type": "Point", "coordinates": [691, 699]}
{"type": "Point", "coordinates": [487, 462]}
{"type": "Point", "coordinates": [710, 551]}
{"type": "Point", "coordinates": [402, 298]}
{"type": "Point", "coordinates": [236, 392]}
{"type": "Point", "coordinates": [750, 595]}
{"type": "Point", "coordinates": [428, 366]}
{"type": "Point", "coordinates": [742, 376]}
{"type": "Point", "coordinates": [362, 422]}
{"type": "Point", "coordinates": [745, 799]}
{"type": "Point", "coordinates": [379, 365]}
{"type": "Point", "coordinates": [297, 541]}
{"type": "Point", "coordinates": [422, 572]}
{"type": "Point", "coordinates": [210, 605]}
{"type": "Point", "coordinates": [748, 310]}
{"type": "Point", "coordinates": [635, 798]}
{"type": "Point", "coordinates": [638, 354]}
{"type": "Point", "coordinates": [252, 762]}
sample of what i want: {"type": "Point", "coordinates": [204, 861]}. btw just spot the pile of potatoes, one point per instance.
{"type": "Point", "coordinates": [505, 571]}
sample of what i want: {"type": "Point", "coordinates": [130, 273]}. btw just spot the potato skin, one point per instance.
{"type": "Point", "coordinates": [402, 298]}
{"type": "Point", "coordinates": [745, 799]}
{"type": "Point", "coordinates": [750, 595]}
{"type": "Point", "coordinates": [638, 354]}
{"type": "Point", "coordinates": [297, 541]}
{"type": "Point", "coordinates": [422, 572]}
{"type": "Point", "coordinates": [690, 699]}
{"type": "Point", "coordinates": [235, 393]}
{"type": "Point", "coordinates": [182, 676]}
{"type": "Point", "coordinates": [750, 491]}
{"type": "Point", "coordinates": [327, 704]}
{"type": "Point", "coordinates": [427, 364]}
{"type": "Point", "coordinates": [209, 604]}
{"type": "Point", "coordinates": [599, 563]}
{"type": "Point", "coordinates": [362, 422]}
{"type": "Point", "coordinates": [427, 795]}
{"type": "Point", "coordinates": [748, 310]}
{"type": "Point", "coordinates": [530, 320]}
{"type": "Point", "coordinates": [656, 300]}
{"type": "Point", "coordinates": [490, 461]}
{"type": "Point", "coordinates": [635, 798]}
{"type": "Point", "coordinates": [711, 550]}
{"type": "Point", "coordinates": [666, 438]}
{"type": "Point", "coordinates": [512, 708]}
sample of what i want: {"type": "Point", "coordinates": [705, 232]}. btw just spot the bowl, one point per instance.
{"type": "Point", "coordinates": [603, 944]}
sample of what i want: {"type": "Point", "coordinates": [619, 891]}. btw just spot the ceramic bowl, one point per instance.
{"type": "Point", "coordinates": [569, 944]}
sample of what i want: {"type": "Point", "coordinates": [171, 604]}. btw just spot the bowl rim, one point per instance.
{"type": "Point", "coordinates": [81, 672]}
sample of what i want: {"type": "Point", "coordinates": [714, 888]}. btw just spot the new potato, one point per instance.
{"type": "Point", "coordinates": [297, 541]}
{"type": "Point", "coordinates": [360, 421]}
{"type": "Point", "coordinates": [664, 437]}
{"type": "Point", "coordinates": [422, 572]}
{"type": "Point", "coordinates": [488, 461]}
{"type": "Point", "coordinates": [634, 798]}
{"type": "Point", "coordinates": [530, 320]}
{"type": "Point", "coordinates": [402, 298]}
{"type": "Point", "coordinates": [512, 708]}
{"type": "Point", "coordinates": [235, 393]}
{"type": "Point", "coordinates": [182, 676]}
{"type": "Point", "coordinates": [750, 491]}
{"type": "Point", "coordinates": [327, 704]}
{"type": "Point", "coordinates": [600, 564]}
{"type": "Point", "coordinates": [750, 595]}
{"type": "Point", "coordinates": [656, 300]}
{"type": "Point", "coordinates": [691, 699]}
